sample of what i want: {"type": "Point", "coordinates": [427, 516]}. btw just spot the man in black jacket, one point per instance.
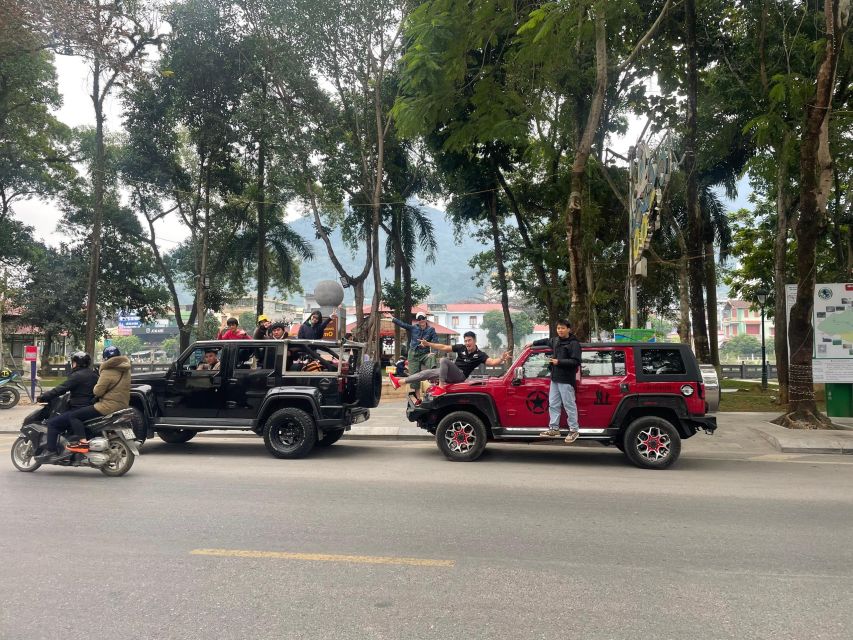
{"type": "Point", "coordinates": [81, 384]}
{"type": "Point", "coordinates": [565, 360]}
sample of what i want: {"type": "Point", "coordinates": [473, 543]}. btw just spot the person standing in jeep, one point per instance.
{"type": "Point", "coordinates": [565, 360]}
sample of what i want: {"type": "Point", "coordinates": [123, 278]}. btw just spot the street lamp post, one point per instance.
{"type": "Point", "coordinates": [761, 295]}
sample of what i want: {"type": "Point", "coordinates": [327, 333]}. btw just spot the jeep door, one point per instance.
{"type": "Point", "coordinates": [526, 402]}
{"type": "Point", "coordinates": [191, 391]}
{"type": "Point", "coordinates": [252, 375]}
{"type": "Point", "coordinates": [602, 385]}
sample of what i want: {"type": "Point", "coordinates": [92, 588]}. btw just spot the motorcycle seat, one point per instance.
{"type": "Point", "coordinates": [95, 423]}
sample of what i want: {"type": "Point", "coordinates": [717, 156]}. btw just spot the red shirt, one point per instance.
{"type": "Point", "coordinates": [233, 334]}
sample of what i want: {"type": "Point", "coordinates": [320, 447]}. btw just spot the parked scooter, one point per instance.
{"type": "Point", "coordinates": [112, 445]}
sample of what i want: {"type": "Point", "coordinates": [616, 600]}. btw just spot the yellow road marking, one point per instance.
{"type": "Point", "coordinates": [322, 557]}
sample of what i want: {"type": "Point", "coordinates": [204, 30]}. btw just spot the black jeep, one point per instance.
{"type": "Point", "coordinates": [294, 393]}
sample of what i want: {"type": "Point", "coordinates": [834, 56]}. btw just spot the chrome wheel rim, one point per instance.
{"type": "Point", "coordinates": [460, 437]}
{"type": "Point", "coordinates": [22, 452]}
{"type": "Point", "coordinates": [653, 444]}
{"type": "Point", "coordinates": [118, 456]}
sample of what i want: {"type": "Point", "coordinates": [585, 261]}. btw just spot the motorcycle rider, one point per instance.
{"type": "Point", "coordinates": [81, 384]}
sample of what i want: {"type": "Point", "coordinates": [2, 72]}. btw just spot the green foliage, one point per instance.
{"type": "Point", "coordinates": [746, 347]}
{"type": "Point", "coordinates": [493, 323]}
{"type": "Point", "coordinates": [394, 297]}
{"type": "Point", "coordinates": [127, 344]}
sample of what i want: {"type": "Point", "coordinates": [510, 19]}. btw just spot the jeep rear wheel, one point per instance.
{"type": "Point", "coordinates": [368, 390]}
{"type": "Point", "coordinates": [652, 442]}
{"type": "Point", "coordinates": [461, 436]}
{"type": "Point", "coordinates": [290, 433]}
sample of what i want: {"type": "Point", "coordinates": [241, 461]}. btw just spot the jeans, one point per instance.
{"type": "Point", "coordinates": [447, 371]}
{"type": "Point", "coordinates": [562, 395]}
{"type": "Point", "coordinates": [73, 419]}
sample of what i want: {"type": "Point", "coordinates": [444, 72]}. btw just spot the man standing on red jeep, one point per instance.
{"type": "Point", "coordinates": [565, 360]}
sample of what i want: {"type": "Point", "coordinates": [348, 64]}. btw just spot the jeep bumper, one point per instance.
{"type": "Point", "coordinates": [708, 423]}
{"type": "Point", "coordinates": [418, 413]}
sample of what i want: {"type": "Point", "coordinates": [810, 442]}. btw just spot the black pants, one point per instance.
{"type": "Point", "coordinates": [70, 419]}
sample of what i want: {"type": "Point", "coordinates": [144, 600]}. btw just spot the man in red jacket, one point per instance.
{"type": "Point", "coordinates": [232, 331]}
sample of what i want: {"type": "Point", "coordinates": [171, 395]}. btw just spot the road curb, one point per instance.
{"type": "Point", "coordinates": [795, 441]}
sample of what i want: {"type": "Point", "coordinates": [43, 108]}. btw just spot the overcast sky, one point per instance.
{"type": "Point", "coordinates": [74, 80]}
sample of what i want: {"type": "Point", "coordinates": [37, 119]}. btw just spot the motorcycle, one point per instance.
{"type": "Point", "coordinates": [112, 443]}
{"type": "Point", "coordinates": [9, 394]}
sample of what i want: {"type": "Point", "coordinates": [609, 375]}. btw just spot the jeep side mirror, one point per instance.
{"type": "Point", "coordinates": [518, 376]}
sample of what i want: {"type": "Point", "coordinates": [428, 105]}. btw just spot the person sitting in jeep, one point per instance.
{"type": "Point", "coordinates": [468, 357]}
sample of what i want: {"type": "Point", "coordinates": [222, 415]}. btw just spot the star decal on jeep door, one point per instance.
{"type": "Point", "coordinates": [537, 402]}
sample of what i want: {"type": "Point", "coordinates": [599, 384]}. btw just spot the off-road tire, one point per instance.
{"type": "Point", "coordinates": [176, 436]}
{"type": "Point", "coordinates": [665, 443]}
{"type": "Point", "coordinates": [330, 438]}
{"type": "Point", "coordinates": [461, 436]}
{"type": "Point", "coordinates": [9, 397]}
{"type": "Point", "coordinates": [368, 385]}
{"type": "Point", "coordinates": [290, 433]}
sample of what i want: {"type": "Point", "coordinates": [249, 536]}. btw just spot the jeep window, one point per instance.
{"type": "Point", "coordinates": [314, 358]}
{"type": "Point", "coordinates": [662, 362]}
{"type": "Point", "coordinates": [195, 357]}
{"type": "Point", "coordinates": [255, 358]}
{"type": "Point", "coordinates": [603, 363]}
{"type": "Point", "coordinates": [538, 365]}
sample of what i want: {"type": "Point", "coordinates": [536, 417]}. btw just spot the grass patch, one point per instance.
{"type": "Point", "coordinates": [748, 396]}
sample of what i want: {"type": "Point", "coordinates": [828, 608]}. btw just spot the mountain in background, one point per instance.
{"type": "Point", "coordinates": [450, 278]}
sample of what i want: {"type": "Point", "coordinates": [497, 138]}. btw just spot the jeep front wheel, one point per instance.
{"type": "Point", "coordinates": [652, 443]}
{"type": "Point", "coordinates": [290, 433]}
{"type": "Point", "coordinates": [461, 436]}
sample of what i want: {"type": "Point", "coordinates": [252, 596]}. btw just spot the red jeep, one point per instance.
{"type": "Point", "coordinates": [643, 398]}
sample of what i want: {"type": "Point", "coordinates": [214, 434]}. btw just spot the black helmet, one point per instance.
{"type": "Point", "coordinates": [81, 359]}
{"type": "Point", "coordinates": [110, 352]}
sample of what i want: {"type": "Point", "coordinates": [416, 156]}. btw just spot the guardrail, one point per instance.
{"type": "Point", "coordinates": [745, 371]}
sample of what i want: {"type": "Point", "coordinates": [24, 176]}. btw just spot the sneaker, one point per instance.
{"type": "Point", "coordinates": [394, 380]}
{"type": "Point", "coordinates": [550, 433]}
{"type": "Point", "coordinates": [437, 391]}
{"type": "Point", "coordinates": [80, 447]}
{"type": "Point", "coordinates": [573, 435]}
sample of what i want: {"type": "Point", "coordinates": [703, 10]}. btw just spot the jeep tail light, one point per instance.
{"type": "Point", "coordinates": [687, 390]}
{"type": "Point", "coordinates": [701, 389]}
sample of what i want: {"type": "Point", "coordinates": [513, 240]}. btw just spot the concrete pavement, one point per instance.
{"type": "Point", "coordinates": [387, 540]}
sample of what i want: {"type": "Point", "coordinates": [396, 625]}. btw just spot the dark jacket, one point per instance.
{"type": "Point", "coordinates": [568, 354]}
{"type": "Point", "coordinates": [113, 388]}
{"type": "Point", "coordinates": [416, 334]}
{"type": "Point", "coordinates": [260, 333]}
{"type": "Point", "coordinates": [308, 331]}
{"type": "Point", "coordinates": [81, 383]}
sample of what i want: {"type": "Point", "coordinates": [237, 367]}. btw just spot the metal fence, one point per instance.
{"type": "Point", "coordinates": [745, 371]}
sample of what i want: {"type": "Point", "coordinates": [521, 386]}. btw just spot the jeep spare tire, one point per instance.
{"type": "Point", "coordinates": [368, 389]}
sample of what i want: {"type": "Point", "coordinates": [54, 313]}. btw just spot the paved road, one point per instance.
{"type": "Point", "coordinates": [372, 539]}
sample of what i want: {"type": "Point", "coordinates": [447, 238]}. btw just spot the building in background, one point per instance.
{"type": "Point", "coordinates": [740, 318]}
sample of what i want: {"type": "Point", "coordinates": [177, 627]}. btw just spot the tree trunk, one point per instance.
{"type": "Point", "coordinates": [780, 277]}
{"type": "Point", "coordinates": [499, 262]}
{"type": "Point", "coordinates": [684, 300]}
{"type": "Point", "coordinates": [574, 232]}
{"type": "Point", "coordinates": [44, 360]}
{"type": "Point", "coordinates": [695, 245]}
{"type": "Point", "coordinates": [262, 221]}
{"type": "Point", "coordinates": [711, 289]}
{"type": "Point", "coordinates": [815, 175]}
{"type": "Point", "coordinates": [201, 310]}
{"type": "Point", "coordinates": [98, 175]}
